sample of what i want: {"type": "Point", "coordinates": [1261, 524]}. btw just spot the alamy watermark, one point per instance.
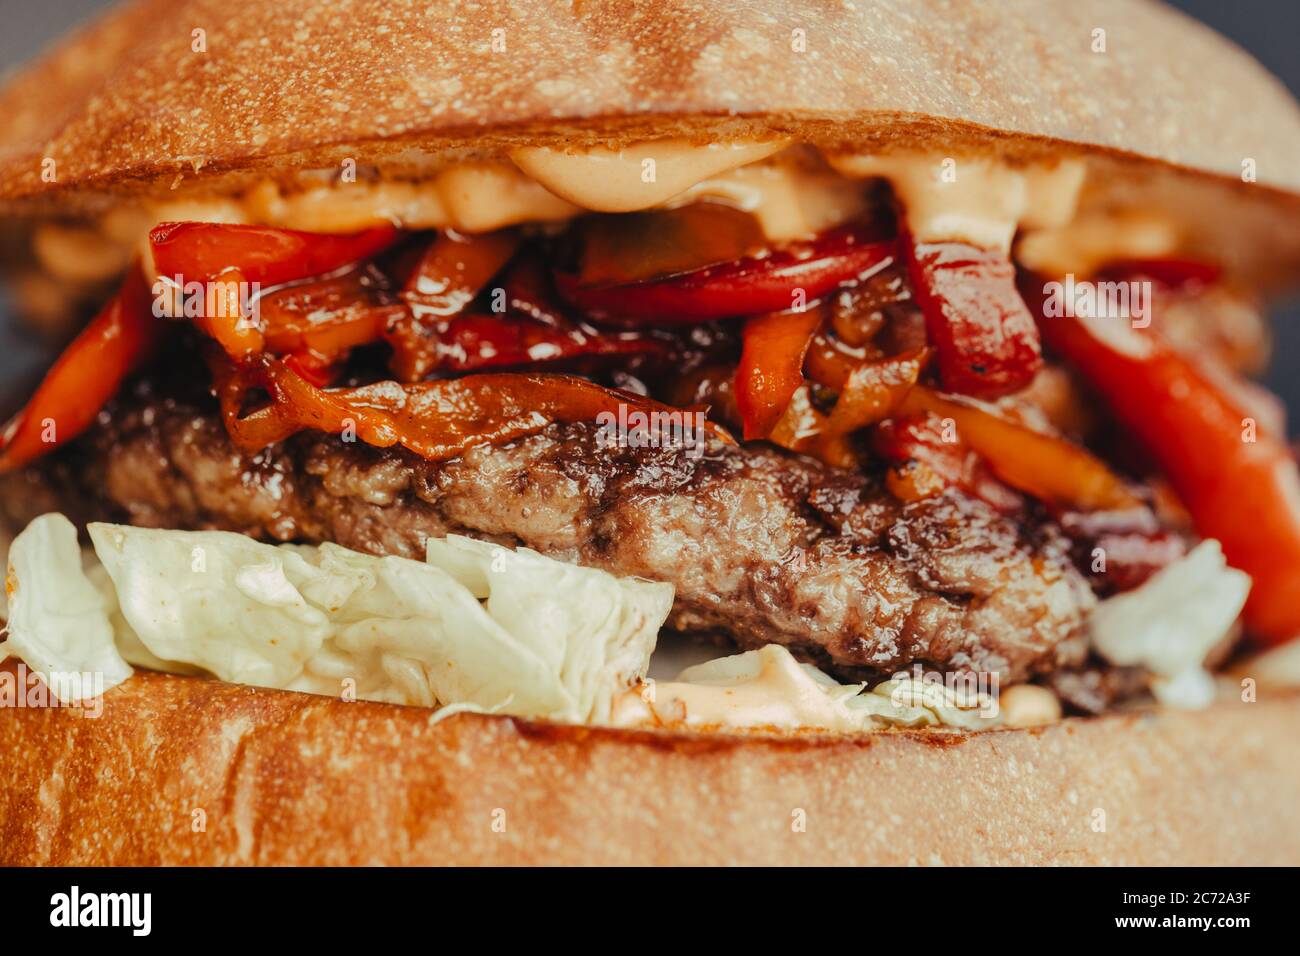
{"type": "Point", "coordinates": [967, 690]}
{"type": "Point", "coordinates": [1120, 299]}
{"type": "Point", "coordinates": [80, 690]}
{"type": "Point", "coordinates": [174, 298]}
{"type": "Point", "coordinates": [633, 427]}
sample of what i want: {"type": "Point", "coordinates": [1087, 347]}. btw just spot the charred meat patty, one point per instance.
{"type": "Point", "coordinates": [761, 545]}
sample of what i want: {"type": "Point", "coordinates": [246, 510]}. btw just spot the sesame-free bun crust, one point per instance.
{"type": "Point", "coordinates": [282, 83]}
{"type": "Point", "coordinates": [191, 771]}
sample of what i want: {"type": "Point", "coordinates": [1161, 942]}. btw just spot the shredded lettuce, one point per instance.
{"type": "Point", "coordinates": [58, 622]}
{"type": "Point", "coordinates": [1171, 622]}
{"type": "Point", "coordinates": [494, 629]}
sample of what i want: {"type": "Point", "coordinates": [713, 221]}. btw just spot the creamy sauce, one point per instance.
{"type": "Point", "coordinates": [769, 689]}
{"type": "Point", "coordinates": [789, 201]}
{"type": "Point", "coordinates": [975, 200]}
{"type": "Point", "coordinates": [472, 197]}
{"type": "Point", "coordinates": [779, 693]}
{"type": "Point", "coordinates": [480, 197]}
{"type": "Point", "coordinates": [636, 177]}
{"type": "Point", "coordinates": [787, 198]}
{"type": "Point", "coordinates": [1092, 240]}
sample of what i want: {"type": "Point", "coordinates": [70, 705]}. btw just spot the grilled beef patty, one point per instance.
{"type": "Point", "coordinates": [761, 545]}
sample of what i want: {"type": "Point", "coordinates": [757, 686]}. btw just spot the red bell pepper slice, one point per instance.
{"type": "Point", "coordinates": [985, 340]}
{"type": "Point", "coordinates": [474, 342]}
{"type": "Point", "coordinates": [88, 373]}
{"type": "Point", "coordinates": [207, 252]}
{"type": "Point", "coordinates": [454, 269]}
{"type": "Point", "coordinates": [1051, 469]}
{"type": "Point", "coordinates": [747, 286]}
{"type": "Point", "coordinates": [326, 318]}
{"type": "Point", "coordinates": [771, 366]}
{"type": "Point", "coordinates": [450, 273]}
{"type": "Point", "coordinates": [874, 389]}
{"type": "Point", "coordinates": [201, 251]}
{"type": "Point", "coordinates": [1246, 494]}
{"type": "Point", "coordinates": [1174, 273]}
{"type": "Point", "coordinates": [437, 336]}
{"type": "Point", "coordinates": [924, 464]}
{"type": "Point", "coordinates": [639, 246]}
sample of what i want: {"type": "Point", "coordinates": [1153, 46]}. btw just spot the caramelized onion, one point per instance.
{"type": "Point", "coordinates": [435, 420]}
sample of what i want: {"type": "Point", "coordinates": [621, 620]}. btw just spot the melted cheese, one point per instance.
{"type": "Point", "coordinates": [975, 200]}
{"type": "Point", "coordinates": [637, 177]}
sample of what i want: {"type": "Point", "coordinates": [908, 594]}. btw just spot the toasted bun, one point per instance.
{"type": "Point", "coordinates": [279, 81]}
{"type": "Point", "coordinates": [192, 771]}
{"type": "Point", "coordinates": [1168, 113]}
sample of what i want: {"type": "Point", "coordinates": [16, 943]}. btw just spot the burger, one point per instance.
{"type": "Point", "coordinates": [648, 433]}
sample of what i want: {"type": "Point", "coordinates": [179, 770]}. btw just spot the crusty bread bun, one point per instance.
{"type": "Point", "coordinates": [1167, 110]}
{"type": "Point", "coordinates": [130, 99]}
{"type": "Point", "coordinates": [184, 770]}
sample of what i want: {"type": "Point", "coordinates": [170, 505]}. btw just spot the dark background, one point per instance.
{"type": "Point", "coordinates": [1270, 29]}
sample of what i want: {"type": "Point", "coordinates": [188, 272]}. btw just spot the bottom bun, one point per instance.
{"type": "Point", "coordinates": [189, 771]}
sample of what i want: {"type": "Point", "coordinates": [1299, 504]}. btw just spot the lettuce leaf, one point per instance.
{"type": "Point", "coordinates": [1172, 621]}
{"type": "Point", "coordinates": [478, 626]}
{"type": "Point", "coordinates": [58, 622]}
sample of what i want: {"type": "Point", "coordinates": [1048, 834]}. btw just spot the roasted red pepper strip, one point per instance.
{"type": "Point", "coordinates": [924, 464]}
{"type": "Point", "coordinates": [327, 317]}
{"type": "Point", "coordinates": [874, 389]}
{"type": "Point", "coordinates": [771, 366]}
{"type": "Point", "coordinates": [435, 420]}
{"type": "Point", "coordinates": [200, 251]}
{"type": "Point", "coordinates": [311, 366]}
{"type": "Point", "coordinates": [185, 252]}
{"type": "Point", "coordinates": [1174, 273]}
{"type": "Point", "coordinates": [634, 247]}
{"type": "Point", "coordinates": [533, 329]}
{"type": "Point", "coordinates": [453, 270]}
{"type": "Point", "coordinates": [984, 336]}
{"type": "Point", "coordinates": [86, 375]}
{"type": "Point", "coordinates": [1244, 493]}
{"type": "Point", "coordinates": [450, 273]}
{"type": "Point", "coordinates": [1047, 467]}
{"type": "Point", "coordinates": [746, 286]}
{"type": "Point", "coordinates": [472, 342]}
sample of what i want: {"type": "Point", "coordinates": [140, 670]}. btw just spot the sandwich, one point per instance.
{"type": "Point", "coordinates": [648, 433]}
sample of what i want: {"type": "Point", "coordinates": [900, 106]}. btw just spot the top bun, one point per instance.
{"type": "Point", "coordinates": [283, 81]}
{"type": "Point", "coordinates": [161, 95]}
